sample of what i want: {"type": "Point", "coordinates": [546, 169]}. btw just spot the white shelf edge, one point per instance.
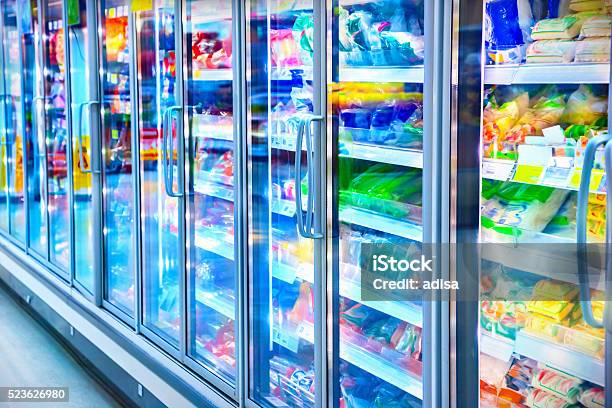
{"type": "Point", "coordinates": [381, 223]}
{"type": "Point", "coordinates": [414, 74]}
{"type": "Point", "coordinates": [217, 302]}
{"type": "Point", "coordinates": [561, 358]}
{"type": "Point", "coordinates": [495, 347]}
{"type": "Point", "coordinates": [223, 74]}
{"type": "Point", "coordinates": [385, 154]}
{"type": "Point", "coordinates": [572, 73]}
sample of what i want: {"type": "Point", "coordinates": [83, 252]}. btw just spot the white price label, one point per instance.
{"type": "Point", "coordinates": [286, 339]}
{"type": "Point", "coordinates": [306, 332]}
{"type": "Point", "coordinates": [497, 170]}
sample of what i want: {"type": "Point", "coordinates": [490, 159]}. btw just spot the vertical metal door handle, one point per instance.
{"type": "Point", "coordinates": [82, 107]}
{"type": "Point", "coordinates": [305, 227]}
{"type": "Point", "coordinates": [168, 170]}
{"type": "Point", "coordinates": [581, 228]}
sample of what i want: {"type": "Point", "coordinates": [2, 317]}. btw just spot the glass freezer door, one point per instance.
{"type": "Point", "coordinates": [56, 133]}
{"type": "Point", "coordinates": [35, 145]}
{"type": "Point", "coordinates": [161, 204]}
{"type": "Point", "coordinates": [377, 95]}
{"type": "Point", "coordinates": [117, 165]}
{"type": "Point", "coordinates": [85, 164]}
{"type": "Point", "coordinates": [538, 144]}
{"type": "Point", "coordinates": [212, 258]}
{"type": "Point", "coordinates": [13, 143]}
{"type": "Point", "coordinates": [282, 295]}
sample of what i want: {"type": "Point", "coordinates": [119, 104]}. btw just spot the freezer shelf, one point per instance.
{"type": "Point", "coordinates": [213, 74]}
{"type": "Point", "coordinates": [381, 223]}
{"type": "Point", "coordinates": [357, 356]}
{"type": "Point", "coordinates": [414, 75]}
{"type": "Point", "coordinates": [557, 356]}
{"type": "Point", "coordinates": [524, 257]}
{"type": "Point", "coordinates": [218, 302]}
{"type": "Point", "coordinates": [383, 154]}
{"type": "Point", "coordinates": [547, 74]}
{"type": "Point", "coordinates": [563, 177]}
{"type": "Point", "coordinates": [501, 349]}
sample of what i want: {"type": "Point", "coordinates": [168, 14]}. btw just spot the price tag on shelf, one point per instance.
{"type": "Point", "coordinates": [597, 176]}
{"type": "Point", "coordinates": [497, 170]}
{"type": "Point", "coordinates": [556, 176]}
{"type": "Point", "coordinates": [306, 332]}
{"type": "Point", "coordinates": [527, 173]}
{"type": "Point", "coordinates": [286, 339]}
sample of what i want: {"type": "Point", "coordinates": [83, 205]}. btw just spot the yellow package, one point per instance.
{"type": "Point", "coordinates": [556, 310]}
{"type": "Point", "coordinates": [550, 289]}
{"type": "Point", "coordinates": [597, 212]}
{"type": "Point", "coordinates": [597, 199]}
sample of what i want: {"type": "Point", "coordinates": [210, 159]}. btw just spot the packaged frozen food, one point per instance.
{"type": "Point", "coordinates": [539, 398]}
{"type": "Point", "coordinates": [559, 385]}
{"type": "Point", "coordinates": [597, 26]}
{"type": "Point", "coordinates": [586, 5]}
{"type": "Point", "coordinates": [583, 107]}
{"type": "Point", "coordinates": [593, 397]}
{"type": "Point", "coordinates": [595, 49]}
{"type": "Point", "coordinates": [504, 39]}
{"type": "Point", "coordinates": [558, 311]}
{"type": "Point", "coordinates": [520, 374]}
{"type": "Point", "coordinates": [548, 289]}
{"type": "Point", "coordinates": [562, 28]}
{"type": "Point", "coordinates": [545, 113]}
{"type": "Point", "coordinates": [524, 206]}
{"type": "Point", "coordinates": [497, 121]}
{"type": "Point", "coordinates": [551, 51]}
{"type": "Point", "coordinates": [585, 339]}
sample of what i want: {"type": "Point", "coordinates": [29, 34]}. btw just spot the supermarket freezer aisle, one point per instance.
{"type": "Point", "coordinates": [30, 356]}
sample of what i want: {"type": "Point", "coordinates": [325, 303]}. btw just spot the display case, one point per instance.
{"type": "Point", "coordinates": [539, 137]}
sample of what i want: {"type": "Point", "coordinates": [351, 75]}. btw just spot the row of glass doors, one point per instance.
{"type": "Point", "coordinates": [208, 171]}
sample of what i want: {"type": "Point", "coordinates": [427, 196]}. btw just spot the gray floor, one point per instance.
{"type": "Point", "coordinates": [30, 356]}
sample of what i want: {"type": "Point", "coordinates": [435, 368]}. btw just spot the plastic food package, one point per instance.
{"type": "Point", "coordinates": [498, 121]}
{"type": "Point", "coordinates": [504, 39]}
{"type": "Point", "coordinates": [284, 49]}
{"type": "Point", "coordinates": [596, 26]}
{"type": "Point", "coordinates": [524, 206]}
{"type": "Point", "coordinates": [545, 113]}
{"type": "Point", "coordinates": [561, 386]}
{"type": "Point", "coordinates": [593, 398]}
{"type": "Point", "coordinates": [562, 28]}
{"type": "Point", "coordinates": [583, 107]}
{"type": "Point", "coordinates": [551, 51]}
{"type": "Point", "coordinates": [538, 398]}
{"type": "Point", "coordinates": [595, 49]}
{"type": "Point", "coordinates": [586, 5]}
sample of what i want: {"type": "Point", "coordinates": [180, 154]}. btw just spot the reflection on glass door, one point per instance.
{"type": "Point", "coordinates": [282, 298]}
{"type": "Point", "coordinates": [14, 122]}
{"type": "Point", "coordinates": [118, 187]}
{"type": "Point", "coordinates": [35, 145]}
{"type": "Point", "coordinates": [83, 131]}
{"type": "Point", "coordinates": [161, 240]}
{"type": "Point", "coordinates": [56, 133]}
{"type": "Point", "coordinates": [210, 209]}
{"type": "Point", "coordinates": [378, 102]}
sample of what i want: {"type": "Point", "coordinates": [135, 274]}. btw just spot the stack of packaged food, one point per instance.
{"type": "Point", "coordinates": [560, 32]}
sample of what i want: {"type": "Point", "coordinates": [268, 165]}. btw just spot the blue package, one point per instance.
{"type": "Point", "coordinates": [505, 30]}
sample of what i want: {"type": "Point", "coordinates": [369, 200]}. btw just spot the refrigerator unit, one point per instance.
{"type": "Point", "coordinates": [540, 127]}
